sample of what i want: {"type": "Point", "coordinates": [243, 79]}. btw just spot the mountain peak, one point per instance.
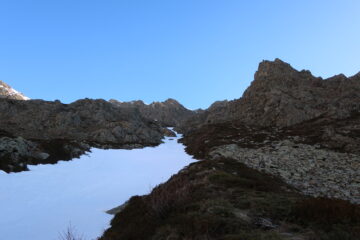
{"type": "Point", "coordinates": [8, 92]}
{"type": "Point", "coordinates": [275, 67]}
{"type": "Point", "coordinates": [171, 101]}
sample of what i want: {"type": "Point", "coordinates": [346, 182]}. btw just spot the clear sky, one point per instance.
{"type": "Point", "coordinates": [196, 51]}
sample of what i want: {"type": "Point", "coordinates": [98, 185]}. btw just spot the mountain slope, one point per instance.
{"type": "Point", "coordinates": [280, 163]}
{"type": "Point", "coordinates": [282, 96]}
{"type": "Point", "coordinates": [290, 124]}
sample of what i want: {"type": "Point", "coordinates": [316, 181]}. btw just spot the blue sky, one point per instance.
{"type": "Point", "coordinates": [196, 51]}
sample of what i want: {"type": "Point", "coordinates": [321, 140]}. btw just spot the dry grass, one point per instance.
{"type": "Point", "coordinates": [70, 234]}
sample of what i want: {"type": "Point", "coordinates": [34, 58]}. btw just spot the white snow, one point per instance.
{"type": "Point", "coordinates": [40, 203]}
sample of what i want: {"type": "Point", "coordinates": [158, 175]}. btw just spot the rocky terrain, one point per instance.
{"type": "Point", "coordinates": [282, 96]}
{"type": "Point", "coordinates": [8, 92]}
{"type": "Point", "coordinates": [169, 113]}
{"type": "Point", "coordinates": [37, 131]}
{"type": "Point", "coordinates": [301, 155]}
{"type": "Point", "coordinates": [282, 162]}
{"type": "Point", "coordinates": [303, 129]}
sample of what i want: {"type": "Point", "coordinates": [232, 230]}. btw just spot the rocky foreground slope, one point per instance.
{"type": "Point", "coordinates": [282, 162]}
{"type": "Point", "coordinates": [223, 199]}
{"type": "Point", "coordinates": [38, 131]}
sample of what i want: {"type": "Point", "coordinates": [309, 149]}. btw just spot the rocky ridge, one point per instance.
{"type": "Point", "coordinates": [169, 113]}
{"type": "Point", "coordinates": [51, 131]}
{"type": "Point", "coordinates": [282, 96]}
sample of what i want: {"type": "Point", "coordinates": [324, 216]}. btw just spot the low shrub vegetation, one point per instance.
{"type": "Point", "coordinates": [223, 199]}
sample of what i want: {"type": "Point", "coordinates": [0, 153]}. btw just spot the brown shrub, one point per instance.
{"type": "Point", "coordinates": [170, 196]}
{"type": "Point", "coordinates": [70, 234]}
{"type": "Point", "coordinates": [133, 222]}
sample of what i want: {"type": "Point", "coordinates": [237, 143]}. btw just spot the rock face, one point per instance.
{"type": "Point", "coordinates": [38, 131]}
{"type": "Point", "coordinates": [282, 96]}
{"type": "Point", "coordinates": [85, 120]}
{"type": "Point", "coordinates": [169, 113]}
{"type": "Point", "coordinates": [16, 152]}
{"type": "Point", "coordinates": [8, 92]}
{"type": "Point", "coordinates": [67, 130]}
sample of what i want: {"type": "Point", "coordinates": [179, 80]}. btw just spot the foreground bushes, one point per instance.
{"type": "Point", "coordinates": [225, 200]}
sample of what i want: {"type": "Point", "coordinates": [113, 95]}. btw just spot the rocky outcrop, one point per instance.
{"type": "Point", "coordinates": [67, 130]}
{"type": "Point", "coordinates": [16, 153]}
{"type": "Point", "coordinates": [168, 132]}
{"type": "Point", "coordinates": [282, 96]}
{"type": "Point", "coordinates": [14, 150]}
{"type": "Point", "coordinates": [8, 92]}
{"type": "Point", "coordinates": [169, 113]}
